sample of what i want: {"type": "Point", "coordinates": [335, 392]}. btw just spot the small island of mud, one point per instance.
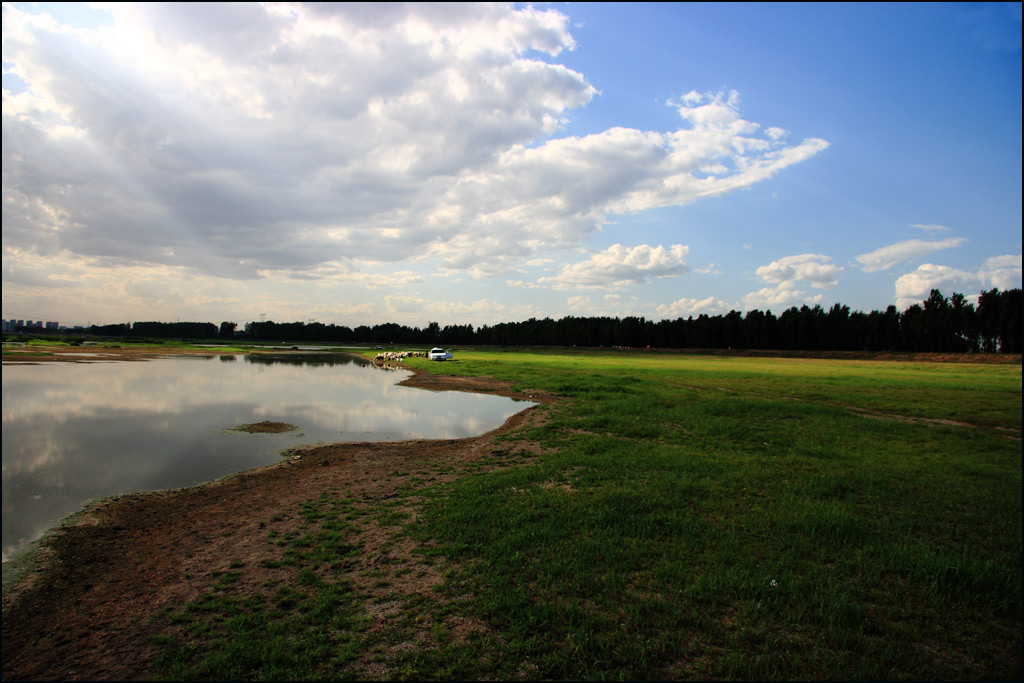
{"type": "Point", "coordinates": [266, 427]}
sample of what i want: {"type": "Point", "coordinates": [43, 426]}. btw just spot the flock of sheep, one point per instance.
{"type": "Point", "coordinates": [397, 356]}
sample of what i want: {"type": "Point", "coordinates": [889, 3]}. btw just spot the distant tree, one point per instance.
{"type": "Point", "coordinates": [837, 333]}
{"type": "Point", "coordinates": [934, 335]}
{"type": "Point", "coordinates": [999, 320]}
{"type": "Point", "coordinates": [760, 330]}
{"type": "Point", "coordinates": [935, 324]}
{"type": "Point", "coordinates": [988, 320]}
{"type": "Point", "coordinates": [433, 332]}
{"type": "Point", "coordinates": [913, 329]}
{"type": "Point", "coordinates": [963, 326]}
{"type": "Point", "coordinates": [1012, 301]}
{"type": "Point", "coordinates": [116, 330]}
{"type": "Point", "coordinates": [881, 331]}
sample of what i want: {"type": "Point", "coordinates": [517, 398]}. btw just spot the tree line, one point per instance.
{"type": "Point", "coordinates": [939, 323]}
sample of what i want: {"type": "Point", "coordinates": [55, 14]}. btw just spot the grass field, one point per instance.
{"type": "Point", "coordinates": [689, 517]}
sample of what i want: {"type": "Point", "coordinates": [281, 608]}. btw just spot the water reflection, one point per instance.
{"type": "Point", "coordinates": [76, 431]}
{"type": "Point", "coordinates": [309, 359]}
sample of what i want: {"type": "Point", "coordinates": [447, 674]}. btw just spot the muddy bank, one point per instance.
{"type": "Point", "coordinates": [87, 611]}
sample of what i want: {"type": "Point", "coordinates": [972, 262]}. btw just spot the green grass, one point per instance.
{"type": "Point", "coordinates": [731, 517]}
{"type": "Point", "coordinates": [309, 627]}
{"type": "Point", "coordinates": [694, 517]}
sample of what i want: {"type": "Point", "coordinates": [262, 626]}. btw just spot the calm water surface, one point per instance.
{"type": "Point", "coordinates": [77, 431]}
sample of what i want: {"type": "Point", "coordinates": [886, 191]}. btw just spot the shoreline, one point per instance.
{"type": "Point", "coordinates": [86, 609]}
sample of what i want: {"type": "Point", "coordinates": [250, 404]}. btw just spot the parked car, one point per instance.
{"type": "Point", "coordinates": [437, 353]}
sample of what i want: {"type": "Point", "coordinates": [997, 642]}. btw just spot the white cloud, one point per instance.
{"type": "Point", "coordinates": [1003, 272]}
{"type": "Point", "coordinates": [241, 139]}
{"type": "Point", "coordinates": [782, 296]}
{"type": "Point", "coordinates": [908, 250]}
{"type": "Point", "coordinates": [610, 305]}
{"type": "Point", "coordinates": [686, 307]}
{"type": "Point", "coordinates": [555, 195]}
{"type": "Point", "coordinates": [812, 268]}
{"type": "Point", "coordinates": [523, 284]}
{"type": "Point", "coordinates": [931, 227]}
{"type": "Point", "coordinates": [914, 287]}
{"type": "Point", "coordinates": [579, 303]}
{"type": "Point", "coordinates": [786, 273]}
{"type": "Point", "coordinates": [619, 266]}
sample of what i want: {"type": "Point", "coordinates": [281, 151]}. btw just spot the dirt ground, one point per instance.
{"type": "Point", "coordinates": [85, 612]}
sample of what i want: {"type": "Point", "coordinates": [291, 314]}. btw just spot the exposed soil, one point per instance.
{"type": "Point", "coordinates": [87, 611]}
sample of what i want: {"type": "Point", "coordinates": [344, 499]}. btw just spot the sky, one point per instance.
{"type": "Point", "coordinates": [485, 163]}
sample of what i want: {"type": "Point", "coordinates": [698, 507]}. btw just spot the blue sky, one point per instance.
{"type": "Point", "coordinates": [488, 163]}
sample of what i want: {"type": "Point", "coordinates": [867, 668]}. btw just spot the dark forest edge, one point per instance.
{"type": "Point", "coordinates": [939, 324]}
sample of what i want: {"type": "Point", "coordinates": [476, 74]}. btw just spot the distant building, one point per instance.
{"type": "Point", "coordinates": [15, 325]}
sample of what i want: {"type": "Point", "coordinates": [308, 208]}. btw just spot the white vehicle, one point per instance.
{"type": "Point", "coordinates": [437, 353]}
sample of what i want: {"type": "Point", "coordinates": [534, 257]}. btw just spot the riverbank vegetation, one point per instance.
{"type": "Point", "coordinates": [671, 516]}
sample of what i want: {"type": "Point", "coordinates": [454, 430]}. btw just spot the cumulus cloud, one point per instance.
{"type": "Point", "coordinates": [618, 266]}
{"type": "Point", "coordinates": [786, 274]}
{"type": "Point", "coordinates": [782, 296]}
{"type": "Point", "coordinates": [914, 287]}
{"type": "Point", "coordinates": [242, 140]}
{"type": "Point", "coordinates": [687, 307]}
{"type": "Point", "coordinates": [908, 250]}
{"type": "Point", "coordinates": [1001, 272]}
{"type": "Point", "coordinates": [236, 138]}
{"type": "Point", "coordinates": [811, 268]}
